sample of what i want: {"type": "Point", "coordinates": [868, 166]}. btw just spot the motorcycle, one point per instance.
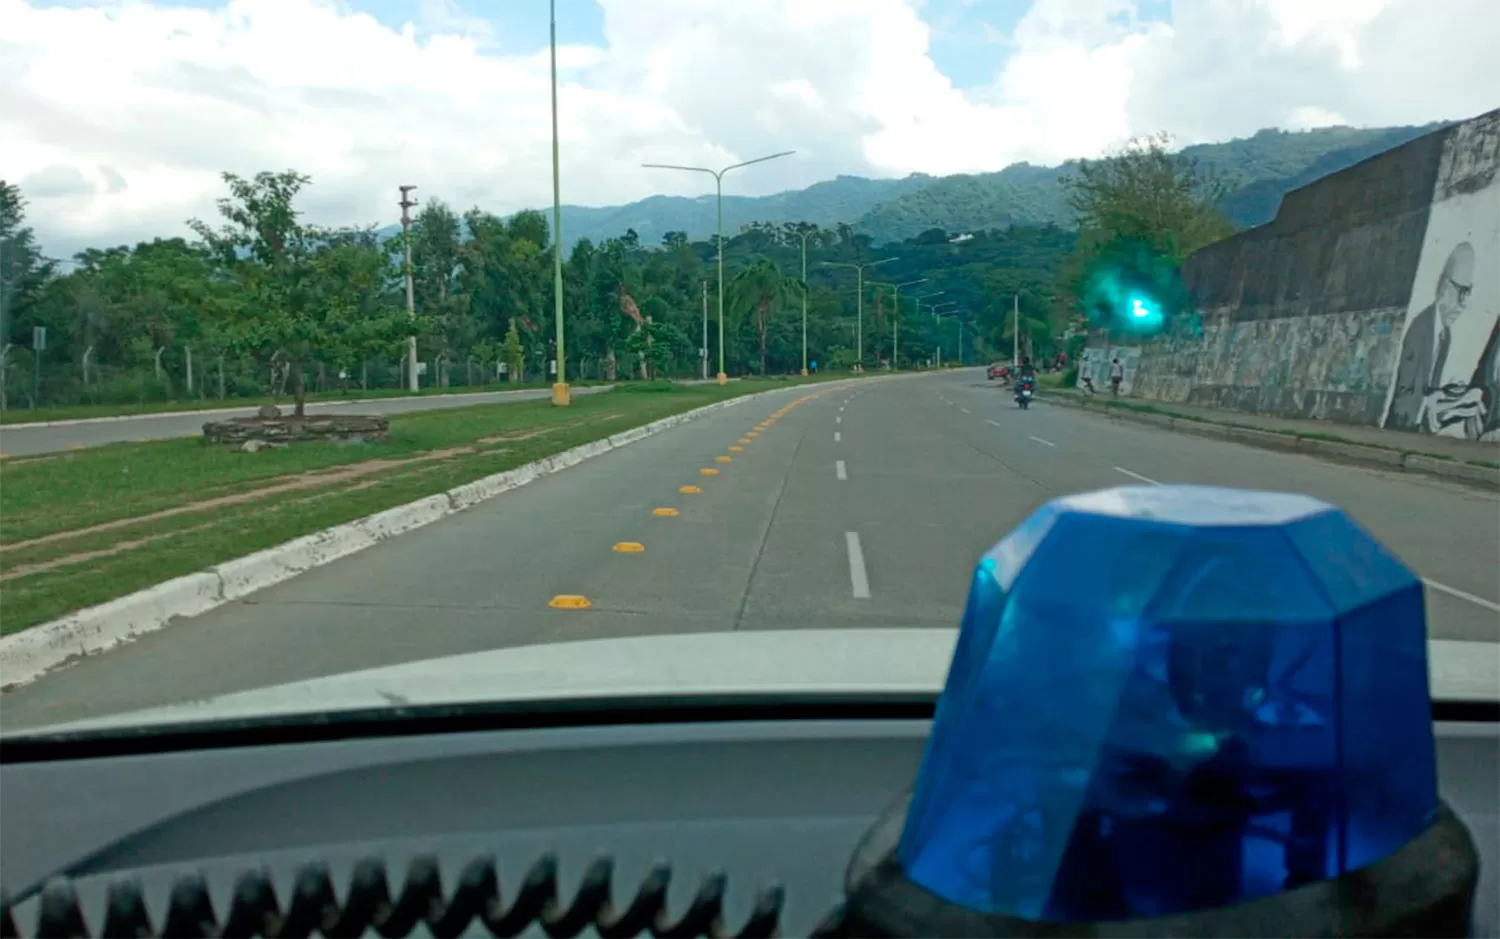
{"type": "Point", "coordinates": [1025, 390]}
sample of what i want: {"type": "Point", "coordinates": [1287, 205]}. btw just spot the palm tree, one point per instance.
{"type": "Point", "coordinates": [761, 287]}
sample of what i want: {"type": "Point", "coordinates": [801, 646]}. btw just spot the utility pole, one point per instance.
{"type": "Point", "coordinates": [703, 350]}
{"type": "Point", "coordinates": [1015, 333]}
{"type": "Point", "coordinates": [406, 204]}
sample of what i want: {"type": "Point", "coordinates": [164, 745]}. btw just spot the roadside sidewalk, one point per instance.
{"type": "Point", "coordinates": [1444, 457]}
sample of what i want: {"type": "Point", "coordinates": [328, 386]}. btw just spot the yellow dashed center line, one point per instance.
{"type": "Point", "coordinates": [569, 601]}
{"type": "Point", "coordinates": [576, 602]}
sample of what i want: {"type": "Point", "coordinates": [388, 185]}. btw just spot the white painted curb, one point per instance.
{"type": "Point", "coordinates": [27, 655]}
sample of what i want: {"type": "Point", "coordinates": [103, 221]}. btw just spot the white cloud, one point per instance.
{"type": "Point", "coordinates": [1228, 67]}
{"type": "Point", "coordinates": [122, 114]}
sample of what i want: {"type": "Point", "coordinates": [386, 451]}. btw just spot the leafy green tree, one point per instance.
{"type": "Point", "coordinates": [336, 297]}
{"type": "Point", "coordinates": [24, 273]}
{"type": "Point", "coordinates": [512, 353]}
{"type": "Point", "coordinates": [1140, 213]}
{"type": "Point", "coordinates": [1151, 196]}
{"type": "Point", "coordinates": [758, 290]}
{"type": "Point", "coordinates": [291, 314]}
{"type": "Point", "coordinates": [659, 344]}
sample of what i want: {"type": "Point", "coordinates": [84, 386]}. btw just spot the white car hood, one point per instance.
{"type": "Point", "coordinates": [778, 662]}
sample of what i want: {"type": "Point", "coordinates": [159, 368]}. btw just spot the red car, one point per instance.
{"type": "Point", "coordinates": [998, 370]}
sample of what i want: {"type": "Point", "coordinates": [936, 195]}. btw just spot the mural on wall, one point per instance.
{"type": "Point", "coordinates": [1448, 374]}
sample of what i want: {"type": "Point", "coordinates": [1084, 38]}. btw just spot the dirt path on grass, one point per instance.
{"type": "Point", "coordinates": [297, 483]}
{"type": "Point", "coordinates": [80, 557]}
{"type": "Point", "coordinates": [301, 482]}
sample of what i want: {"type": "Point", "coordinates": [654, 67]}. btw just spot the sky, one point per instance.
{"type": "Point", "coordinates": [118, 117]}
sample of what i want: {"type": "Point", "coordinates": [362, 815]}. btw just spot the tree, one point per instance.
{"type": "Point", "coordinates": [282, 268]}
{"type": "Point", "coordinates": [23, 277]}
{"type": "Point", "coordinates": [437, 256]}
{"type": "Point", "coordinates": [512, 353]}
{"type": "Point", "coordinates": [362, 306]}
{"type": "Point", "coordinates": [1140, 214]}
{"type": "Point", "coordinates": [659, 344]}
{"type": "Point", "coordinates": [266, 289]}
{"type": "Point", "coordinates": [760, 288]}
{"type": "Point", "coordinates": [1150, 196]}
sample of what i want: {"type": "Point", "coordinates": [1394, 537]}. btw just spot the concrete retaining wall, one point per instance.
{"type": "Point", "coordinates": [1372, 298]}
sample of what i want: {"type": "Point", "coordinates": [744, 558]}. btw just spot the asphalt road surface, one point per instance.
{"type": "Point", "coordinates": [79, 435]}
{"type": "Point", "coordinates": [867, 505]}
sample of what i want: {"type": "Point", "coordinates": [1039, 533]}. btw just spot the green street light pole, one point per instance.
{"type": "Point", "coordinates": [933, 308]}
{"type": "Point", "coordinates": [560, 393]}
{"type": "Point", "coordinates": [859, 302]}
{"type": "Point", "coordinates": [718, 176]}
{"type": "Point", "coordinates": [896, 316]}
{"type": "Point", "coordinates": [805, 288]}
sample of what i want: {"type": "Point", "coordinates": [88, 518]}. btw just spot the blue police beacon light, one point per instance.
{"type": "Point", "coordinates": [1178, 710]}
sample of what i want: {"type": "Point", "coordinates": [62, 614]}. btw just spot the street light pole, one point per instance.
{"type": "Point", "coordinates": [936, 320]}
{"type": "Point", "coordinates": [805, 233]}
{"type": "Point", "coordinates": [560, 393]}
{"type": "Point", "coordinates": [859, 305]}
{"type": "Point", "coordinates": [896, 316]}
{"type": "Point", "coordinates": [718, 176]}
{"type": "Point", "coordinates": [703, 349]}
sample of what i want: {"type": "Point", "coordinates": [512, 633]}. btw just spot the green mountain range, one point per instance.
{"type": "Point", "coordinates": [1260, 169]}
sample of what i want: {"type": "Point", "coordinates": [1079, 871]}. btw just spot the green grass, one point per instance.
{"type": "Point", "coordinates": [83, 411]}
{"type": "Point", "coordinates": [72, 491]}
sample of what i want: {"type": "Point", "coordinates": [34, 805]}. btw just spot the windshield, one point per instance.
{"type": "Point", "coordinates": [296, 384]}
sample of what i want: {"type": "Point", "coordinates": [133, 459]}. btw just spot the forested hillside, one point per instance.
{"type": "Point", "coordinates": [1258, 170]}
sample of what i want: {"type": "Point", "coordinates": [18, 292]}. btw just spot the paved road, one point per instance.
{"type": "Point", "coordinates": [865, 506]}
{"type": "Point", "coordinates": [21, 441]}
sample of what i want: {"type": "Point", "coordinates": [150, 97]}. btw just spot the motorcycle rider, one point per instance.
{"type": "Point", "coordinates": [1027, 372]}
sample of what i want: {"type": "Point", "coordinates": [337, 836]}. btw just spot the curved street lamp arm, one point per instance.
{"type": "Point", "coordinates": [774, 156]}
{"type": "Point", "coordinates": [671, 166]}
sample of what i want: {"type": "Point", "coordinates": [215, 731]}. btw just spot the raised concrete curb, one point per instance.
{"type": "Point", "coordinates": [27, 655]}
{"type": "Point", "coordinates": [1403, 461]}
{"type": "Point", "coordinates": [242, 409]}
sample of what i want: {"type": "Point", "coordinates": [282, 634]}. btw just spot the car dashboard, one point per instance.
{"type": "Point", "coordinates": [670, 817]}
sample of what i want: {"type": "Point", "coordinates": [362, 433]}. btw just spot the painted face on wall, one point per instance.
{"type": "Point", "coordinates": [1455, 284]}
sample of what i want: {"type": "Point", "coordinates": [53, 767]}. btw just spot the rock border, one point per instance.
{"type": "Point", "coordinates": [31, 653]}
{"type": "Point", "coordinates": [1338, 451]}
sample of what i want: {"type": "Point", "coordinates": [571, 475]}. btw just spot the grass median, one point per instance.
{"type": "Point", "coordinates": [76, 412]}
{"type": "Point", "coordinates": [81, 528]}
